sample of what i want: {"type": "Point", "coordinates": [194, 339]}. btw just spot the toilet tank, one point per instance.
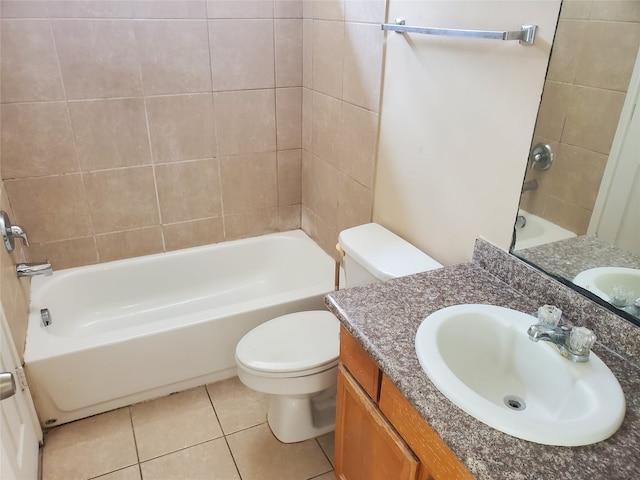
{"type": "Point", "coordinates": [373, 254]}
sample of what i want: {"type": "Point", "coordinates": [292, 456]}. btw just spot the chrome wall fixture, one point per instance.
{"type": "Point", "coordinates": [33, 269]}
{"type": "Point", "coordinates": [541, 156]}
{"type": "Point", "coordinates": [526, 35]}
{"type": "Point", "coordinates": [10, 232]}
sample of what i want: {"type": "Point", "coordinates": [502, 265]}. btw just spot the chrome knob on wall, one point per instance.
{"type": "Point", "coordinates": [9, 232]}
{"type": "Point", "coordinates": [541, 156]}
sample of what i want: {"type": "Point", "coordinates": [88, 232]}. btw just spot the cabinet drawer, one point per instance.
{"type": "Point", "coordinates": [437, 460]}
{"type": "Point", "coordinates": [359, 364]}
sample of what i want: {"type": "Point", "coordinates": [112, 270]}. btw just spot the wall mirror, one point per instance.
{"type": "Point", "coordinates": [579, 219]}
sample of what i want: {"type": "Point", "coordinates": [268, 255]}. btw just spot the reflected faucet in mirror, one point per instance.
{"type": "Point", "coordinates": [540, 158]}
{"type": "Point", "coordinates": [529, 185]}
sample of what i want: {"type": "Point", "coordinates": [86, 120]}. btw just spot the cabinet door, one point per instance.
{"type": "Point", "coordinates": [437, 461]}
{"type": "Point", "coordinates": [367, 446]}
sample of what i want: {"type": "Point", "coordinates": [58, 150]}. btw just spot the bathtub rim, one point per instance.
{"type": "Point", "coordinates": [38, 334]}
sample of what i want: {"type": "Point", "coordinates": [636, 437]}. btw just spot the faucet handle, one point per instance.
{"type": "Point", "coordinates": [9, 231]}
{"type": "Point", "coordinates": [549, 315]}
{"type": "Point", "coordinates": [16, 231]}
{"type": "Point", "coordinates": [581, 340]}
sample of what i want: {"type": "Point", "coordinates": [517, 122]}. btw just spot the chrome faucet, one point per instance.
{"type": "Point", "coordinates": [9, 232]}
{"type": "Point", "coordinates": [32, 269]}
{"type": "Point", "coordinates": [573, 343]}
{"type": "Point", "coordinates": [530, 185]}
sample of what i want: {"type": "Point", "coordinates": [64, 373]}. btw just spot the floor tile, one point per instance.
{"type": "Point", "coordinates": [89, 447]}
{"type": "Point", "coordinates": [260, 456]}
{"type": "Point", "coordinates": [238, 407]}
{"type": "Point", "coordinates": [326, 476]}
{"type": "Point", "coordinates": [171, 423]}
{"type": "Point", "coordinates": [327, 443]}
{"type": "Point", "coordinates": [129, 473]}
{"type": "Point", "coordinates": [210, 460]}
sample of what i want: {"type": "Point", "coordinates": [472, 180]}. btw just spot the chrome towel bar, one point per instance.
{"type": "Point", "coordinates": [526, 35]}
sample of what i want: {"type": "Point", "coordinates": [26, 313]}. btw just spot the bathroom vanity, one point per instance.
{"type": "Point", "coordinates": [379, 435]}
{"type": "Point", "coordinates": [392, 422]}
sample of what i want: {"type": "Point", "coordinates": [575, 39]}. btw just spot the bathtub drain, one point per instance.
{"type": "Point", "coordinates": [45, 316]}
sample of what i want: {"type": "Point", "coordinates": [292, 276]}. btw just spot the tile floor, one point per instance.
{"type": "Point", "coordinates": [214, 432]}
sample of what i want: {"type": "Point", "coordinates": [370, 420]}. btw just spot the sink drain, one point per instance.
{"type": "Point", "coordinates": [514, 402]}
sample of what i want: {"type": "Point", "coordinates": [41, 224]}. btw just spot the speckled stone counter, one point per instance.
{"type": "Point", "coordinates": [567, 258]}
{"type": "Point", "coordinates": [384, 318]}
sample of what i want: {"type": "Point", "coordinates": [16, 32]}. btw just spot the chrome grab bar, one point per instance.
{"type": "Point", "coordinates": [526, 35]}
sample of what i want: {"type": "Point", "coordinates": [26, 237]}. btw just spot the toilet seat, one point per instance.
{"type": "Point", "coordinates": [294, 345]}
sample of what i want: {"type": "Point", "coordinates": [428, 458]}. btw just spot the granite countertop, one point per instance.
{"type": "Point", "coordinates": [569, 257]}
{"type": "Point", "coordinates": [384, 318]}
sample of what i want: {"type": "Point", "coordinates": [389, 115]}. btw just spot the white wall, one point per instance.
{"type": "Point", "coordinates": [457, 118]}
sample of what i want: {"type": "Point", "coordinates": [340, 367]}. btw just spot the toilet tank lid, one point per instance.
{"type": "Point", "coordinates": [383, 253]}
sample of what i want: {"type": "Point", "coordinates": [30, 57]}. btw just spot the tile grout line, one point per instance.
{"type": "Point", "coordinates": [140, 462]}
{"type": "Point", "coordinates": [102, 475]}
{"type": "Point", "coordinates": [323, 452]}
{"type": "Point", "coordinates": [135, 441]}
{"type": "Point", "coordinates": [181, 449]}
{"type": "Point", "coordinates": [97, 477]}
{"type": "Point", "coordinates": [321, 474]}
{"type": "Point", "coordinates": [224, 435]}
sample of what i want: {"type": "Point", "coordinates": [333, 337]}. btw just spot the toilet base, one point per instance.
{"type": "Point", "coordinates": [296, 418]}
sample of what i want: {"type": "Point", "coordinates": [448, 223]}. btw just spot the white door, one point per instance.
{"type": "Point", "coordinates": [20, 433]}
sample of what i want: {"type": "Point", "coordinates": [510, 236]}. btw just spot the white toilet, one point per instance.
{"type": "Point", "coordinates": [294, 358]}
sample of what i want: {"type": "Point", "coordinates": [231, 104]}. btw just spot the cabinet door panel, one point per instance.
{"type": "Point", "coordinates": [367, 447]}
{"type": "Point", "coordinates": [438, 462]}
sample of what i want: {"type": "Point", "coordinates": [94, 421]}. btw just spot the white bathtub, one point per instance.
{"type": "Point", "coordinates": [131, 330]}
{"type": "Point", "coordinates": [538, 231]}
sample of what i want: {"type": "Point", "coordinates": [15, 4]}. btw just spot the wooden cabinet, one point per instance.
{"type": "Point", "coordinates": [360, 364]}
{"type": "Point", "coordinates": [379, 435]}
{"type": "Point", "coordinates": [367, 446]}
{"type": "Point", "coordinates": [438, 461]}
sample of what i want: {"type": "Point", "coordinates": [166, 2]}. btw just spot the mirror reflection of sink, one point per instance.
{"type": "Point", "coordinates": [480, 357]}
{"type": "Point", "coordinates": [604, 281]}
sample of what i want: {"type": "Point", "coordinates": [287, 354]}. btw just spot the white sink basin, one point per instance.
{"type": "Point", "coordinates": [601, 281]}
{"type": "Point", "coordinates": [480, 357]}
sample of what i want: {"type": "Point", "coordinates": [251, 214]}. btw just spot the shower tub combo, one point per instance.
{"type": "Point", "coordinates": [131, 330]}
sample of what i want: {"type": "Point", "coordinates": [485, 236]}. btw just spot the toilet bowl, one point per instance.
{"type": "Point", "coordinates": [294, 358]}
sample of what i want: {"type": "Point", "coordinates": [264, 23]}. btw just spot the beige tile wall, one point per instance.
{"type": "Point", "coordinates": [591, 64]}
{"type": "Point", "coordinates": [135, 127]}
{"type": "Point", "coordinates": [342, 71]}
{"type": "Point", "coordinates": [14, 292]}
